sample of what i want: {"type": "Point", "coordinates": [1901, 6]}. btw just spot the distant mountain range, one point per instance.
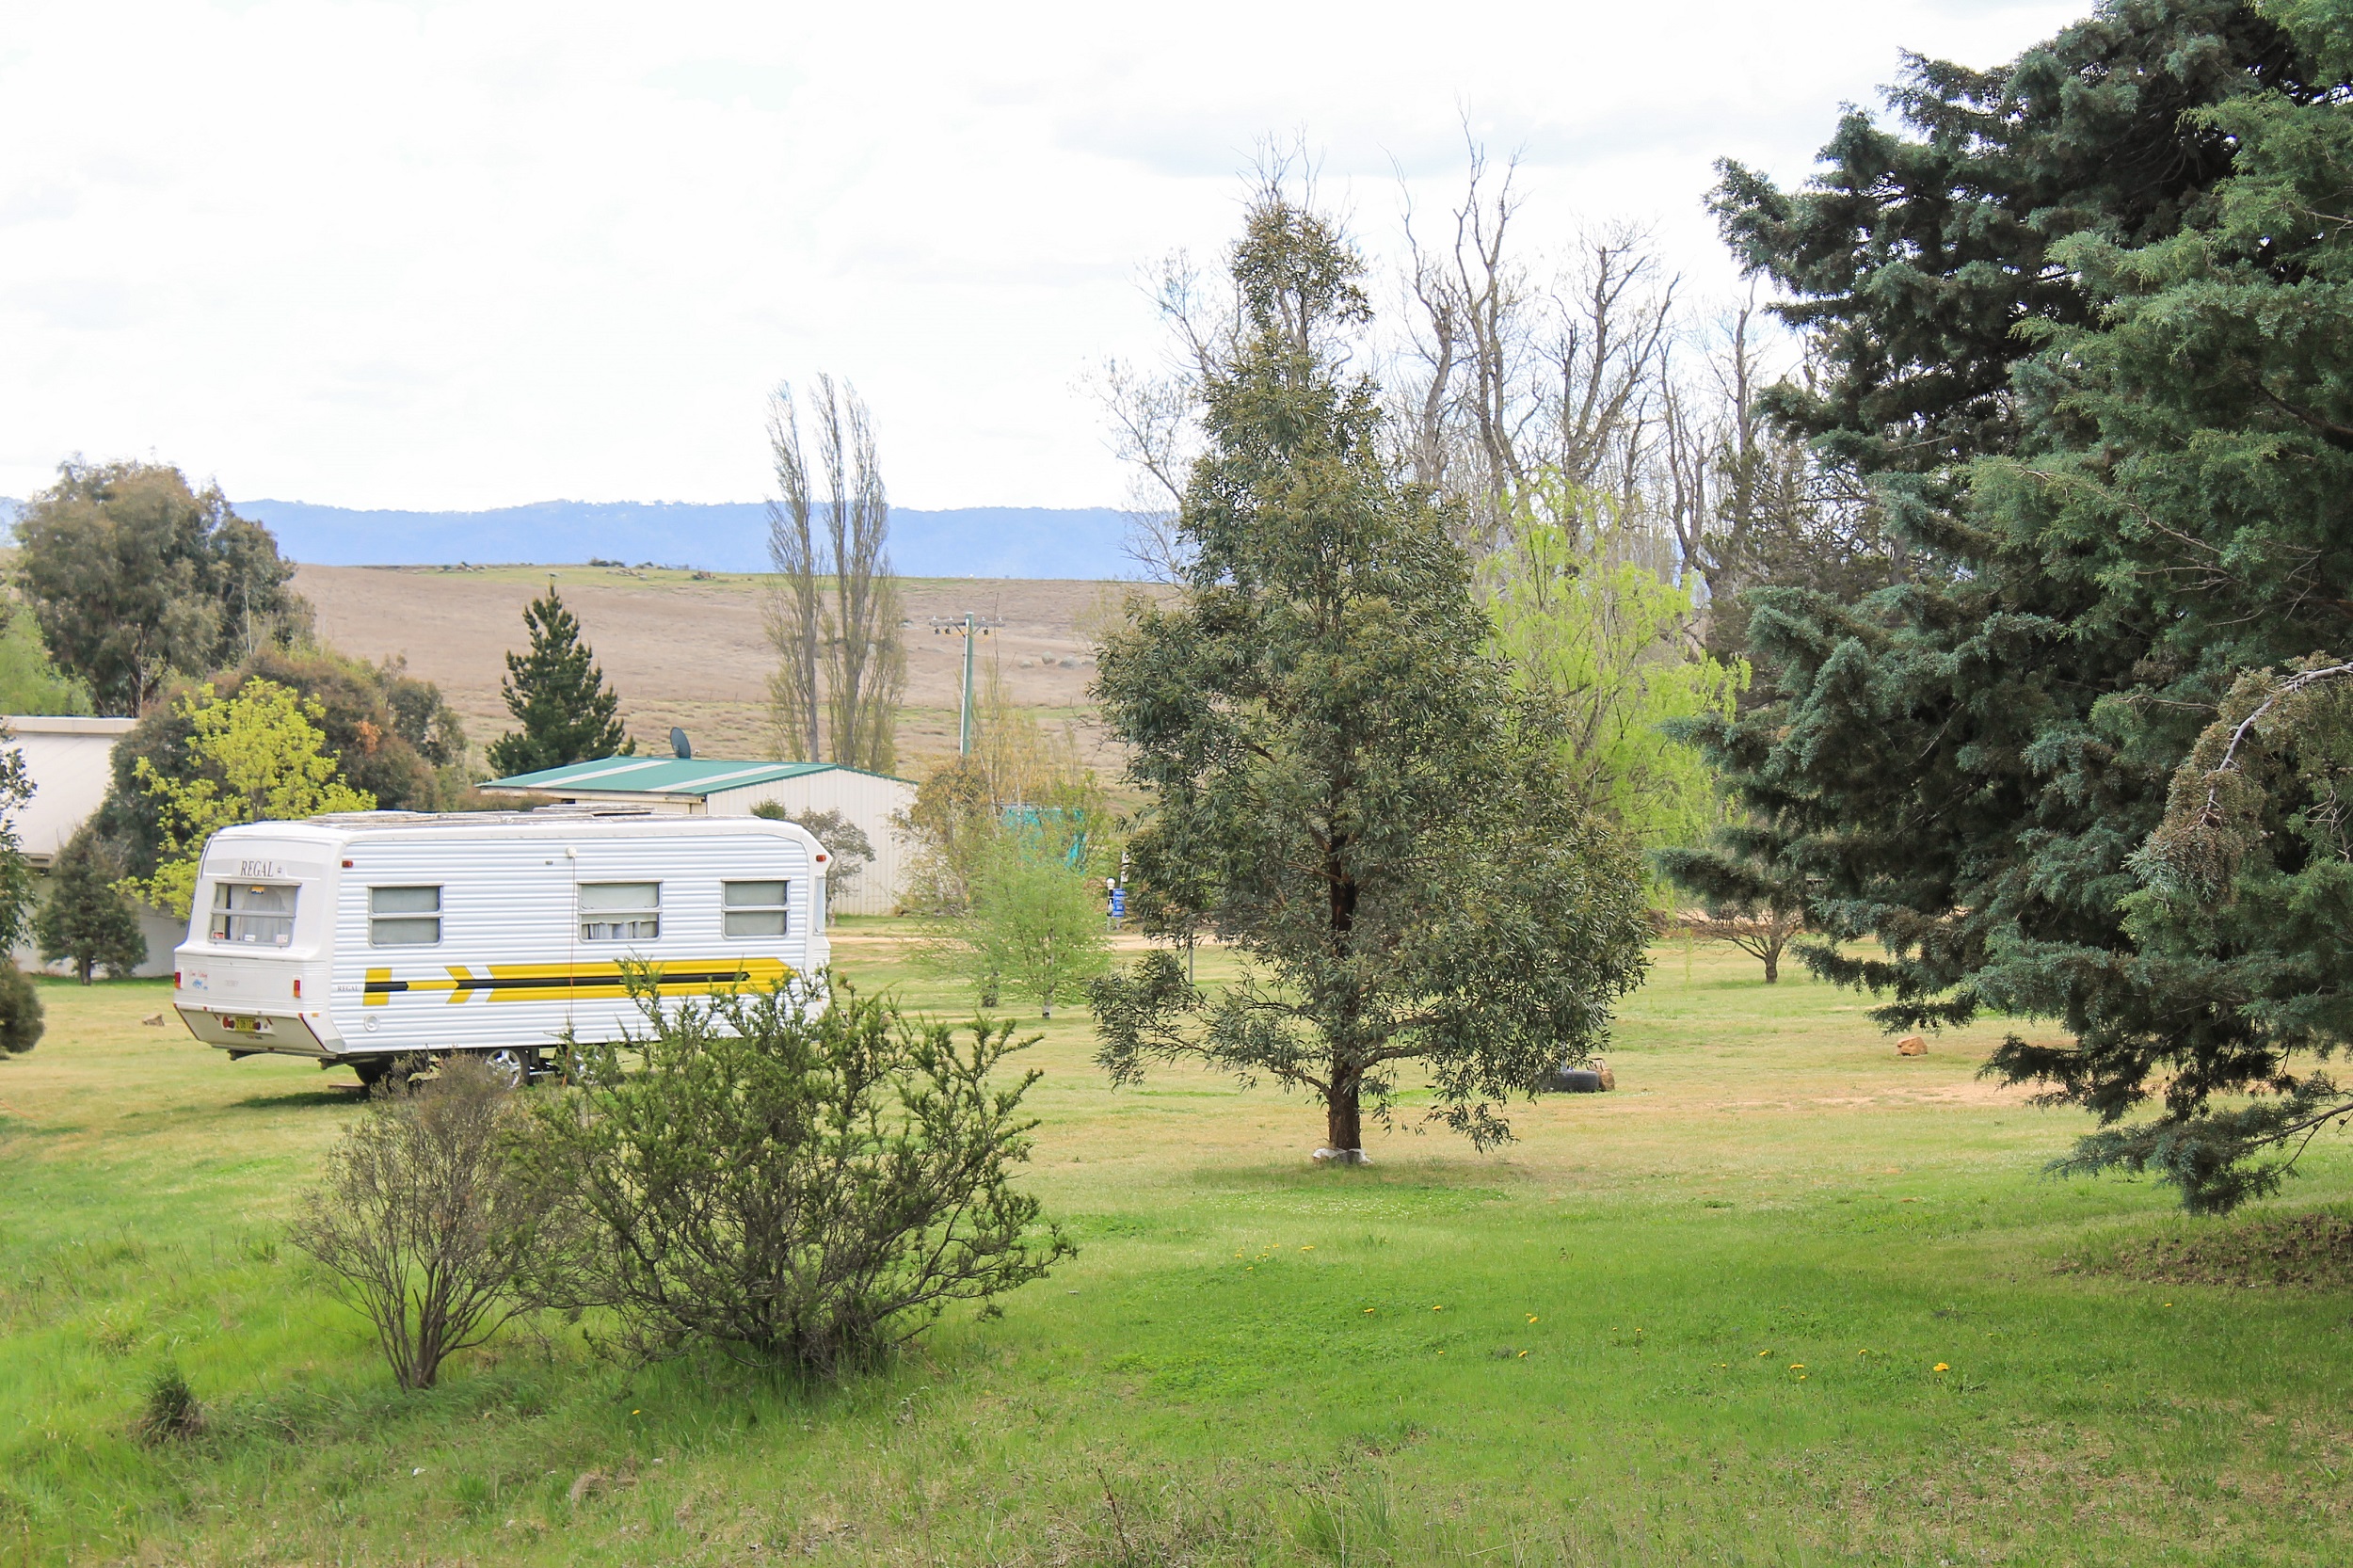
{"type": "Point", "coordinates": [968, 541]}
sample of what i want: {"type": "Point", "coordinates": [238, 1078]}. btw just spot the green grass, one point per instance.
{"type": "Point", "coordinates": [1696, 1320]}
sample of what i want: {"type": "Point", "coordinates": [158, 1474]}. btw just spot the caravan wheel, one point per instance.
{"type": "Point", "coordinates": [512, 1066]}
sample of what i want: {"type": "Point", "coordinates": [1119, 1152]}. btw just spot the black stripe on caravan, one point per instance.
{"type": "Point", "coordinates": [555, 981]}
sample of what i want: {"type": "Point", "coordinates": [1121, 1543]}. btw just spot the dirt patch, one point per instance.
{"type": "Point", "coordinates": [2310, 1251]}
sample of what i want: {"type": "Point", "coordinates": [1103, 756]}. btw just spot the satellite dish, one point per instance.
{"type": "Point", "coordinates": [680, 747]}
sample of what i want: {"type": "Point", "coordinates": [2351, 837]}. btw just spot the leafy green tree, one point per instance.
{"type": "Point", "coordinates": [1341, 784]}
{"type": "Point", "coordinates": [1581, 616]}
{"type": "Point", "coordinates": [133, 577]}
{"type": "Point", "coordinates": [2083, 319]}
{"type": "Point", "coordinates": [1035, 923]}
{"type": "Point", "coordinates": [86, 919]}
{"type": "Point", "coordinates": [557, 694]}
{"type": "Point", "coordinates": [255, 757]}
{"type": "Point", "coordinates": [29, 683]}
{"type": "Point", "coordinates": [374, 744]}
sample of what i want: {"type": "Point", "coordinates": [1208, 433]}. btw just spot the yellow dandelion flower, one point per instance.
{"type": "Point", "coordinates": [1523, 1355]}
{"type": "Point", "coordinates": [1437, 1309]}
{"type": "Point", "coordinates": [1803, 1376]}
{"type": "Point", "coordinates": [1532, 1317]}
{"type": "Point", "coordinates": [1941, 1368]}
{"type": "Point", "coordinates": [1762, 1354]}
{"type": "Point", "coordinates": [1309, 1247]}
{"type": "Point", "coordinates": [1367, 1312]}
{"type": "Point", "coordinates": [1797, 1365]}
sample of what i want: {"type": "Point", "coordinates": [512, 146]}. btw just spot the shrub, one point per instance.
{"type": "Point", "coordinates": [798, 1190]}
{"type": "Point", "coordinates": [20, 1011]}
{"type": "Point", "coordinates": [421, 1220]}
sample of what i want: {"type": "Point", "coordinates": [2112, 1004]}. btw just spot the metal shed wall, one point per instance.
{"type": "Point", "coordinates": [867, 799]}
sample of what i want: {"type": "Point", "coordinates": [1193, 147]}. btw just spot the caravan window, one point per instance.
{"type": "Point", "coordinates": [253, 914]}
{"type": "Point", "coordinates": [753, 908]}
{"type": "Point", "coordinates": [620, 911]}
{"type": "Point", "coordinates": [404, 917]}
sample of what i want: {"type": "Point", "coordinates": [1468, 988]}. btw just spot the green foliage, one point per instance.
{"type": "Point", "coordinates": [86, 919]}
{"type": "Point", "coordinates": [557, 694]}
{"type": "Point", "coordinates": [29, 683]}
{"type": "Point", "coordinates": [18, 894]}
{"type": "Point", "coordinates": [20, 1011]}
{"type": "Point", "coordinates": [798, 1187]}
{"type": "Point", "coordinates": [383, 729]}
{"type": "Point", "coordinates": [2086, 324]}
{"type": "Point", "coordinates": [1341, 783]}
{"type": "Point", "coordinates": [132, 576]}
{"type": "Point", "coordinates": [256, 756]}
{"type": "Point", "coordinates": [1036, 922]}
{"type": "Point", "coordinates": [1581, 618]}
{"type": "Point", "coordinates": [421, 1218]}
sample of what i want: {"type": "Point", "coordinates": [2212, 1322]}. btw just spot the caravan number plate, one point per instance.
{"type": "Point", "coordinates": [244, 1026]}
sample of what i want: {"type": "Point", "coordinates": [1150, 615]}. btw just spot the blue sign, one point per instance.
{"type": "Point", "coordinates": [1119, 902]}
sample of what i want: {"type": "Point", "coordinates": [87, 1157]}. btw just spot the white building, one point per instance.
{"type": "Point", "coordinates": [69, 761]}
{"type": "Point", "coordinates": [719, 788]}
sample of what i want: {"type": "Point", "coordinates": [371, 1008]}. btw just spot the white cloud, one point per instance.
{"type": "Point", "coordinates": [440, 255]}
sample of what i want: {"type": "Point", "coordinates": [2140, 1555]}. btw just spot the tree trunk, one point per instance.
{"type": "Point", "coordinates": [86, 965]}
{"type": "Point", "coordinates": [1343, 1120]}
{"type": "Point", "coordinates": [1773, 963]}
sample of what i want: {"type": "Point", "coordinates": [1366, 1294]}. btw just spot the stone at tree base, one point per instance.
{"type": "Point", "coordinates": [1911, 1045]}
{"type": "Point", "coordinates": [1344, 1157]}
{"type": "Point", "coordinates": [1608, 1079]}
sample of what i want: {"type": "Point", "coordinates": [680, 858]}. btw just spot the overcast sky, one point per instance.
{"type": "Point", "coordinates": [473, 254]}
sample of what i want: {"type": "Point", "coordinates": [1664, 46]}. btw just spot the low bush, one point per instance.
{"type": "Point", "coordinates": [20, 1011]}
{"type": "Point", "coordinates": [172, 1410]}
{"type": "Point", "coordinates": [423, 1220]}
{"type": "Point", "coordinates": [800, 1187]}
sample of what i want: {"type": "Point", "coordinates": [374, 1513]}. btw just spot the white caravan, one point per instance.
{"type": "Point", "coordinates": [361, 937]}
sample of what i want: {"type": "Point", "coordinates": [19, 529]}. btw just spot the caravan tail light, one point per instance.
{"type": "Point", "coordinates": [297, 987]}
{"type": "Point", "coordinates": [175, 980]}
{"type": "Point", "coordinates": [820, 858]}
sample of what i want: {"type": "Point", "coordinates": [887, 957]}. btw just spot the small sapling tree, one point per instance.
{"type": "Point", "coordinates": [1036, 922]}
{"type": "Point", "coordinates": [422, 1221]}
{"type": "Point", "coordinates": [797, 1191]}
{"type": "Point", "coordinates": [85, 920]}
{"type": "Point", "coordinates": [1752, 901]}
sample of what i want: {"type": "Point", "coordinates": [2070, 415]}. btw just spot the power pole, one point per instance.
{"type": "Point", "coordinates": [969, 627]}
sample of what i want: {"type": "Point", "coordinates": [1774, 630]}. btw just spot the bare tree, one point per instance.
{"type": "Point", "coordinates": [841, 667]}
{"type": "Point", "coordinates": [421, 1221]}
{"type": "Point", "coordinates": [795, 611]}
{"type": "Point", "coordinates": [1504, 377]}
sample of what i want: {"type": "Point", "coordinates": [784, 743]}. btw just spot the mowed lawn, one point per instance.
{"type": "Point", "coordinates": [1700, 1320]}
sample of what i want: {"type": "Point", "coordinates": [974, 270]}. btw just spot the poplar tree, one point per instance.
{"type": "Point", "coordinates": [558, 694]}
{"type": "Point", "coordinates": [2083, 318]}
{"type": "Point", "coordinates": [1341, 784]}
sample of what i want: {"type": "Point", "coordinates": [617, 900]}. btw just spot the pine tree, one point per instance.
{"type": "Point", "coordinates": [557, 694]}
{"type": "Point", "coordinates": [1341, 784]}
{"type": "Point", "coordinates": [85, 920]}
{"type": "Point", "coordinates": [2085, 325]}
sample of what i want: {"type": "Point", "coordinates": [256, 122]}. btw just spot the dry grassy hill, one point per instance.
{"type": "Point", "coordinates": [688, 650]}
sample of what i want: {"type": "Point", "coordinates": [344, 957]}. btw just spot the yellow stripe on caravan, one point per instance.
{"type": "Point", "coordinates": [577, 981]}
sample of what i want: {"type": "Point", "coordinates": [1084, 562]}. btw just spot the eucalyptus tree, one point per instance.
{"type": "Point", "coordinates": [1341, 783]}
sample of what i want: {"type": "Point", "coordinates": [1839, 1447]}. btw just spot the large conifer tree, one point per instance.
{"type": "Point", "coordinates": [2087, 320]}
{"type": "Point", "coordinates": [558, 694]}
